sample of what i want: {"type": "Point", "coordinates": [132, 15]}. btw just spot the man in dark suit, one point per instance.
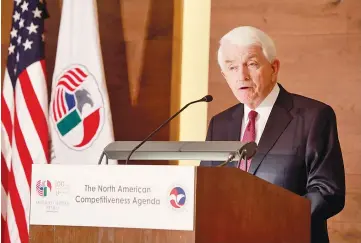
{"type": "Point", "coordinates": [298, 146]}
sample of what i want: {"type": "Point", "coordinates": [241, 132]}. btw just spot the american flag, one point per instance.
{"type": "Point", "coordinates": [24, 125]}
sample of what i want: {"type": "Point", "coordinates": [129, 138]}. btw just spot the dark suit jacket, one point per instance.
{"type": "Point", "coordinates": [299, 150]}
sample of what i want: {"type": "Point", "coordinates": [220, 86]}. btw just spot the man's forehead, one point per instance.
{"type": "Point", "coordinates": [235, 56]}
{"type": "Point", "coordinates": [229, 49]}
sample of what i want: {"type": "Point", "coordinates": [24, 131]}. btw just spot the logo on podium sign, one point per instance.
{"type": "Point", "coordinates": [43, 188]}
{"type": "Point", "coordinates": [177, 197]}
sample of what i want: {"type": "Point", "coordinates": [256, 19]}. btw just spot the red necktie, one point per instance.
{"type": "Point", "coordinates": [249, 135]}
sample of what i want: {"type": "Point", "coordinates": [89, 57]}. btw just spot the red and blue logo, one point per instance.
{"type": "Point", "coordinates": [177, 197]}
{"type": "Point", "coordinates": [43, 188]}
{"type": "Point", "coordinates": [77, 108]}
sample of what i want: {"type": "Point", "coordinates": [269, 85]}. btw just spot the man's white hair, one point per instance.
{"type": "Point", "coordinates": [248, 35]}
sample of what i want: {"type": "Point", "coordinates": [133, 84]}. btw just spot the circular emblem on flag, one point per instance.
{"type": "Point", "coordinates": [77, 107]}
{"type": "Point", "coordinates": [177, 197]}
{"type": "Point", "coordinates": [43, 187]}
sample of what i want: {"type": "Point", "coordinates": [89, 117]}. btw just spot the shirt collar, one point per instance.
{"type": "Point", "coordinates": [267, 104]}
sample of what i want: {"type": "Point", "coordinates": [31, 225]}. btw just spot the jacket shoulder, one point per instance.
{"type": "Point", "coordinates": [300, 101]}
{"type": "Point", "coordinates": [228, 113]}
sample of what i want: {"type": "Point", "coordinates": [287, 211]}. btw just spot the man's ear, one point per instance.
{"type": "Point", "coordinates": [276, 66]}
{"type": "Point", "coordinates": [224, 76]}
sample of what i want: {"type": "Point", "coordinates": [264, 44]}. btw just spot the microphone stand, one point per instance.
{"type": "Point", "coordinates": [207, 98]}
{"type": "Point", "coordinates": [243, 156]}
{"type": "Point", "coordinates": [101, 158]}
{"type": "Point", "coordinates": [229, 159]}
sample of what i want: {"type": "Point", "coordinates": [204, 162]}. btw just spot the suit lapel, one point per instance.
{"type": "Point", "coordinates": [235, 124]}
{"type": "Point", "coordinates": [277, 122]}
{"type": "Point", "coordinates": [234, 127]}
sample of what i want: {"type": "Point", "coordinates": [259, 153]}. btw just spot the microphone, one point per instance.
{"type": "Point", "coordinates": [207, 98]}
{"type": "Point", "coordinates": [249, 150]}
{"type": "Point", "coordinates": [246, 152]}
{"type": "Point", "coordinates": [229, 159]}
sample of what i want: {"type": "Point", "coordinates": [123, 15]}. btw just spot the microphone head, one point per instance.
{"type": "Point", "coordinates": [249, 149]}
{"type": "Point", "coordinates": [207, 98]}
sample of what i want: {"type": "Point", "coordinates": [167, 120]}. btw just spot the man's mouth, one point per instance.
{"type": "Point", "coordinates": [244, 88]}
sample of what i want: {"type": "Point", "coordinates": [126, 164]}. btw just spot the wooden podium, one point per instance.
{"type": "Point", "coordinates": [230, 205]}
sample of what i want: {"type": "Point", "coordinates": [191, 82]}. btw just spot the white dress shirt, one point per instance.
{"type": "Point", "coordinates": [263, 110]}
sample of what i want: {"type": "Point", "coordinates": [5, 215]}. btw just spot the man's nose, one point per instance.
{"type": "Point", "coordinates": [244, 73]}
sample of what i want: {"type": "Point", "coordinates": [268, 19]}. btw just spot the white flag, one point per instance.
{"type": "Point", "coordinates": [80, 116]}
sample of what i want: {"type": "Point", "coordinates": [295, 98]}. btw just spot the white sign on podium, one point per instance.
{"type": "Point", "coordinates": [127, 196]}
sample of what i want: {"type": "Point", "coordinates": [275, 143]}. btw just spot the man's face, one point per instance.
{"type": "Point", "coordinates": [248, 73]}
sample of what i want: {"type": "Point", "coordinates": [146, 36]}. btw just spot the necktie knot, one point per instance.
{"type": "Point", "coordinates": [252, 115]}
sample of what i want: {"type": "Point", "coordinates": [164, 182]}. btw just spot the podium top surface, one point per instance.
{"type": "Point", "coordinates": [174, 150]}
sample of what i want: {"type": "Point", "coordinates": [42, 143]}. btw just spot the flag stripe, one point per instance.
{"type": "Point", "coordinates": [28, 130]}
{"type": "Point", "coordinates": [66, 85]}
{"type": "Point", "coordinates": [77, 78]}
{"type": "Point", "coordinates": [36, 114]}
{"type": "Point", "coordinates": [11, 222]}
{"type": "Point", "coordinates": [58, 108]}
{"type": "Point", "coordinates": [4, 199]}
{"type": "Point", "coordinates": [81, 72]}
{"type": "Point", "coordinates": [18, 208]}
{"type": "Point", "coordinates": [70, 80]}
{"type": "Point", "coordinates": [4, 176]}
{"type": "Point", "coordinates": [6, 132]}
{"type": "Point", "coordinates": [62, 102]}
{"type": "Point", "coordinates": [62, 109]}
{"type": "Point", "coordinates": [54, 110]}
{"type": "Point", "coordinates": [6, 117]}
{"type": "Point", "coordinates": [21, 182]}
{"type": "Point", "coordinates": [58, 113]}
{"type": "Point", "coordinates": [76, 81]}
{"type": "Point", "coordinates": [43, 67]}
{"type": "Point", "coordinates": [4, 230]}
{"type": "Point", "coordinates": [8, 93]}
{"type": "Point", "coordinates": [5, 146]}
{"type": "Point", "coordinates": [36, 74]}
{"type": "Point", "coordinates": [23, 151]}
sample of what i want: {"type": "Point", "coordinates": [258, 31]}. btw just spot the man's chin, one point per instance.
{"type": "Point", "coordinates": [245, 100]}
{"type": "Point", "coordinates": [248, 102]}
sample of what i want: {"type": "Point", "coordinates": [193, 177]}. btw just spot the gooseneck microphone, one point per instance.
{"type": "Point", "coordinates": [207, 98]}
{"type": "Point", "coordinates": [247, 151]}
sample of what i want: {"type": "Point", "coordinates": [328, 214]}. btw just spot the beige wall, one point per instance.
{"type": "Point", "coordinates": [194, 66]}
{"type": "Point", "coordinates": [193, 83]}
